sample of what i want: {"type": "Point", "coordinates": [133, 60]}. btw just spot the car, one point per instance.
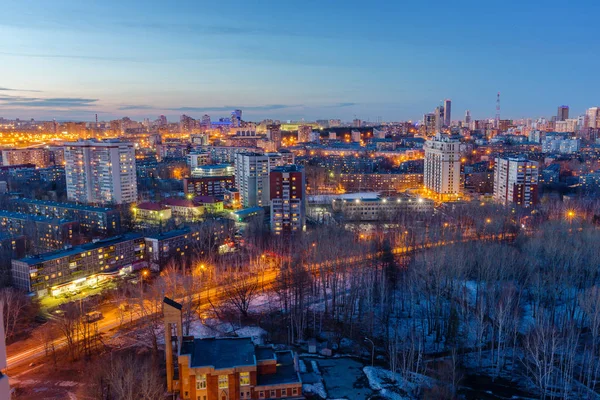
{"type": "Point", "coordinates": [93, 316]}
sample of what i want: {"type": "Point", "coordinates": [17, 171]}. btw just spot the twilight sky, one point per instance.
{"type": "Point", "coordinates": [311, 59]}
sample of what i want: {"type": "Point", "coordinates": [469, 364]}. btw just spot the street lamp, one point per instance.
{"type": "Point", "coordinates": [372, 350]}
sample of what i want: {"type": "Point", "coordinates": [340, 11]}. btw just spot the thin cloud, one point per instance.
{"type": "Point", "coordinates": [267, 107]}
{"type": "Point", "coordinates": [5, 89]}
{"type": "Point", "coordinates": [128, 107]}
{"type": "Point", "coordinates": [344, 105]}
{"type": "Point", "coordinates": [58, 102]}
{"type": "Point", "coordinates": [72, 56]}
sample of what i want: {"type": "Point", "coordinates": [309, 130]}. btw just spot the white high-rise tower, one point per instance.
{"type": "Point", "coordinates": [100, 172]}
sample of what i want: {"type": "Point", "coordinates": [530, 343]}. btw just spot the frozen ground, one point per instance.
{"type": "Point", "coordinates": [394, 386]}
{"type": "Point", "coordinates": [336, 378]}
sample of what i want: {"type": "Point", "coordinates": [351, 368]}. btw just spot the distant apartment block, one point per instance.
{"type": "Point", "coordinates": [562, 144]}
{"type": "Point", "coordinates": [98, 220]}
{"type": "Point", "coordinates": [380, 208]}
{"type": "Point", "coordinates": [196, 159]}
{"type": "Point", "coordinates": [101, 172]}
{"type": "Point", "coordinates": [38, 156]}
{"type": "Point", "coordinates": [208, 185]}
{"type": "Point", "coordinates": [72, 270]}
{"type": "Point", "coordinates": [380, 182]}
{"type": "Point", "coordinates": [288, 199]}
{"type": "Point", "coordinates": [45, 233]}
{"type": "Point", "coordinates": [252, 179]}
{"type": "Point", "coordinates": [227, 154]}
{"type": "Point", "coordinates": [442, 167]}
{"type": "Point", "coordinates": [516, 181]}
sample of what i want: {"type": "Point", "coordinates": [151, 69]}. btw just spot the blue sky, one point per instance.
{"type": "Point", "coordinates": [296, 59]}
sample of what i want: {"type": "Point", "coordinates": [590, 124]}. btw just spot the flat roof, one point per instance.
{"type": "Point", "coordinates": [170, 234]}
{"type": "Point", "coordinates": [285, 373]}
{"type": "Point", "coordinates": [220, 353]}
{"type": "Point", "coordinates": [33, 217]}
{"type": "Point", "coordinates": [64, 205]}
{"type": "Point", "coordinates": [248, 211]}
{"type": "Point", "coordinates": [40, 258]}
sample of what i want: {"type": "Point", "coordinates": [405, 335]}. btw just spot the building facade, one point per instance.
{"type": "Point", "coordinates": [442, 167]}
{"type": "Point", "coordinates": [380, 208]}
{"type": "Point", "coordinates": [208, 185]}
{"type": "Point", "coordinates": [225, 368]}
{"type": "Point", "coordinates": [73, 269]}
{"type": "Point", "coordinates": [380, 182]}
{"type": "Point", "coordinates": [38, 156]}
{"type": "Point", "coordinates": [288, 199]}
{"type": "Point", "coordinates": [101, 172]}
{"type": "Point", "coordinates": [44, 233]}
{"type": "Point", "coordinates": [99, 220]}
{"type": "Point", "coordinates": [252, 179]}
{"type": "Point", "coordinates": [516, 181]}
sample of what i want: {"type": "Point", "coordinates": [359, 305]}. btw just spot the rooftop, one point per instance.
{"type": "Point", "coordinates": [40, 258]}
{"type": "Point", "coordinates": [206, 199]}
{"type": "Point", "coordinates": [288, 168]}
{"type": "Point", "coordinates": [32, 217]}
{"type": "Point", "coordinates": [179, 202]}
{"type": "Point", "coordinates": [219, 353]}
{"type": "Point", "coordinates": [151, 206]}
{"type": "Point", "coordinates": [248, 211]}
{"type": "Point", "coordinates": [63, 205]}
{"type": "Point", "coordinates": [286, 371]}
{"type": "Point", "coordinates": [170, 234]}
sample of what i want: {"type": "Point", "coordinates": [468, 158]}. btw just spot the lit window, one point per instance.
{"type": "Point", "coordinates": [223, 382]}
{"type": "Point", "coordinates": [244, 378]}
{"type": "Point", "coordinates": [200, 381]}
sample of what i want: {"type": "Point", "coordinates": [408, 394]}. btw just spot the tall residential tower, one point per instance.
{"type": "Point", "coordinates": [100, 172]}
{"type": "Point", "coordinates": [442, 167]}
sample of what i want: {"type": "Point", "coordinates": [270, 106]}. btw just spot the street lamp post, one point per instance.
{"type": "Point", "coordinates": [372, 350]}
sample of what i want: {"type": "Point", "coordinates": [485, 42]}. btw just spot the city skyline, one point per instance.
{"type": "Point", "coordinates": [289, 62]}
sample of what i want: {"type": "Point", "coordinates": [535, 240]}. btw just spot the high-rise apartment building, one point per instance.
{"type": "Point", "coordinates": [429, 124]}
{"type": "Point", "coordinates": [206, 123]}
{"type": "Point", "coordinates": [593, 117]}
{"type": "Point", "coordinates": [439, 118]}
{"type": "Point", "coordinates": [442, 167]}
{"type": "Point", "coordinates": [304, 132]}
{"type": "Point", "coordinates": [100, 172]}
{"type": "Point", "coordinates": [37, 156]}
{"type": "Point", "coordinates": [515, 181]}
{"type": "Point", "coordinates": [287, 195]}
{"type": "Point", "coordinates": [196, 160]}
{"type": "Point", "coordinates": [252, 179]}
{"type": "Point", "coordinates": [236, 118]}
{"type": "Point", "coordinates": [274, 133]}
{"type": "Point", "coordinates": [563, 113]}
{"type": "Point", "coordinates": [447, 112]}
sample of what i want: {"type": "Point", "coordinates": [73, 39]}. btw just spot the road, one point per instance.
{"type": "Point", "coordinates": [113, 320]}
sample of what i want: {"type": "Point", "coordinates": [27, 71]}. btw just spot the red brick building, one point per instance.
{"type": "Point", "coordinates": [225, 368]}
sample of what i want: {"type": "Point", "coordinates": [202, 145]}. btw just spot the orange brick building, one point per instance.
{"type": "Point", "coordinates": [225, 368]}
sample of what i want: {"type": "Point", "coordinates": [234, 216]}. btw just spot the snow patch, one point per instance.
{"type": "Point", "coordinates": [317, 389]}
